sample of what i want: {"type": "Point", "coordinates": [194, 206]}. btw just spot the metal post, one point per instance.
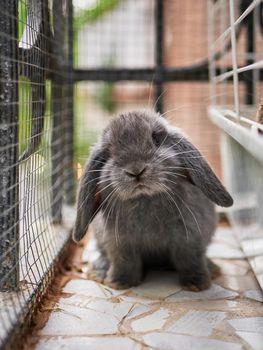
{"type": "Point", "coordinates": [57, 144]}
{"type": "Point", "coordinates": [70, 183]}
{"type": "Point", "coordinates": [159, 55]}
{"type": "Point", "coordinates": [9, 198]}
{"type": "Point", "coordinates": [250, 49]}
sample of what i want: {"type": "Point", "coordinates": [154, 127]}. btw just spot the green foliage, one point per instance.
{"type": "Point", "coordinates": [83, 147]}
{"type": "Point", "coordinates": [84, 139]}
{"type": "Point", "coordinates": [92, 14]}
{"type": "Point", "coordinates": [25, 112]}
{"type": "Point", "coordinates": [104, 97]}
{"type": "Point", "coordinates": [22, 14]}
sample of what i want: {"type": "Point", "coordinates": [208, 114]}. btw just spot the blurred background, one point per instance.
{"type": "Point", "coordinates": [122, 34]}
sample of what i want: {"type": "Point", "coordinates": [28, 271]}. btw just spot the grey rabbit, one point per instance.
{"type": "Point", "coordinates": [149, 193]}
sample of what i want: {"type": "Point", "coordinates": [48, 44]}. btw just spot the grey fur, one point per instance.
{"type": "Point", "coordinates": [168, 217]}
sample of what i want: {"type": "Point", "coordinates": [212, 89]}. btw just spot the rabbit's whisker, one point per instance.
{"type": "Point", "coordinates": [191, 157]}
{"type": "Point", "coordinates": [160, 145]}
{"type": "Point", "coordinates": [170, 147]}
{"type": "Point", "coordinates": [158, 98]}
{"type": "Point", "coordinates": [110, 203]}
{"type": "Point", "coordinates": [110, 184]}
{"type": "Point", "coordinates": [173, 174]}
{"type": "Point", "coordinates": [173, 200]}
{"type": "Point", "coordinates": [187, 207]}
{"type": "Point", "coordinates": [150, 91]}
{"type": "Point", "coordinates": [102, 203]}
{"type": "Point", "coordinates": [99, 161]}
{"type": "Point", "coordinates": [173, 110]}
{"type": "Point", "coordinates": [94, 171]}
{"type": "Point", "coordinates": [110, 179]}
{"type": "Point", "coordinates": [166, 152]}
{"type": "Point", "coordinates": [116, 226]}
{"type": "Point", "coordinates": [111, 193]}
{"type": "Point", "coordinates": [96, 178]}
{"type": "Point", "coordinates": [161, 159]}
{"type": "Point", "coordinates": [181, 167]}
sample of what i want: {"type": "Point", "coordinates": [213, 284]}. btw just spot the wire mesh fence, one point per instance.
{"type": "Point", "coordinates": [36, 151]}
{"type": "Point", "coordinates": [237, 109]}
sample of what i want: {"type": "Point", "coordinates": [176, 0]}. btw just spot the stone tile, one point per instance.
{"type": "Point", "coordinates": [85, 287]}
{"type": "Point", "coordinates": [248, 324]}
{"type": "Point", "coordinates": [79, 343]}
{"type": "Point", "coordinates": [197, 323]}
{"type": "Point", "coordinates": [224, 251]}
{"type": "Point", "coordinates": [248, 232]}
{"type": "Point", "coordinates": [257, 264]}
{"type": "Point", "coordinates": [137, 300]}
{"type": "Point", "coordinates": [255, 295]}
{"type": "Point", "coordinates": [260, 280]}
{"type": "Point", "coordinates": [215, 292]}
{"type": "Point", "coordinates": [253, 247]}
{"type": "Point", "coordinates": [239, 283]}
{"type": "Point", "coordinates": [94, 315]}
{"type": "Point", "coordinates": [138, 310]}
{"type": "Point", "coordinates": [117, 309]}
{"type": "Point", "coordinates": [165, 341]}
{"type": "Point", "coordinates": [241, 262]}
{"type": "Point", "coordinates": [255, 340]}
{"type": "Point", "coordinates": [227, 236]}
{"type": "Point", "coordinates": [229, 268]}
{"type": "Point", "coordinates": [224, 305]}
{"type": "Point", "coordinates": [90, 289]}
{"type": "Point", "coordinates": [154, 321]}
{"type": "Point", "coordinates": [158, 285]}
{"type": "Point", "coordinates": [75, 321]}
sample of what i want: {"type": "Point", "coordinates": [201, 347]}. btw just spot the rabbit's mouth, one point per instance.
{"type": "Point", "coordinates": [140, 185]}
{"type": "Point", "coordinates": [142, 189]}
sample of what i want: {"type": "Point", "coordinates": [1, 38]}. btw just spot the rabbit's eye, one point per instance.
{"type": "Point", "coordinates": [157, 138]}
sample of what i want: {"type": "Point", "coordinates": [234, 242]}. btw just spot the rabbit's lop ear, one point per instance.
{"type": "Point", "coordinates": [199, 172]}
{"type": "Point", "coordinates": [88, 201]}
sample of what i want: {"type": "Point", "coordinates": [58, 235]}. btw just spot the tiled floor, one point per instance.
{"type": "Point", "coordinates": [159, 314]}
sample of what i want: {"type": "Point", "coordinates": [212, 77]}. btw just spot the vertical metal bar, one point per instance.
{"type": "Point", "coordinates": [159, 55]}
{"type": "Point", "coordinates": [234, 57]}
{"type": "Point", "coordinates": [211, 51]}
{"type": "Point", "coordinates": [9, 200]}
{"type": "Point", "coordinates": [70, 182]}
{"type": "Point", "coordinates": [57, 144]}
{"type": "Point", "coordinates": [57, 151]}
{"type": "Point", "coordinates": [250, 47]}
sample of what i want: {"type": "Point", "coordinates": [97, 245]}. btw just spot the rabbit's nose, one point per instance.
{"type": "Point", "coordinates": [135, 173]}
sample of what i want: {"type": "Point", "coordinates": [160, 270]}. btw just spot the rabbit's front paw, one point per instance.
{"type": "Point", "coordinates": [121, 278]}
{"type": "Point", "coordinates": [195, 283]}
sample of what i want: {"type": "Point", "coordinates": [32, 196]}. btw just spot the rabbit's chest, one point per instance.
{"type": "Point", "coordinates": [146, 226]}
